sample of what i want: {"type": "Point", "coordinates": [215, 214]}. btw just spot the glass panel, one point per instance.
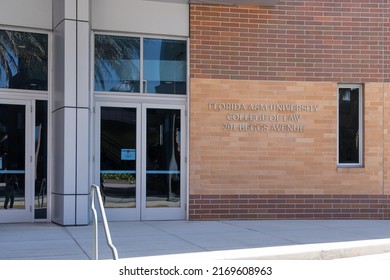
{"type": "Point", "coordinates": [165, 66]}
{"type": "Point", "coordinates": [40, 160]}
{"type": "Point", "coordinates": [349, 125]}
{"type": "Point", "coordinates": [118, 156]}
{"type": "Point", "coordinates": [12, 156]}
{"type": "Point", "coordinates": [23, 60]}
{"type": "Point", "coordinates": [117, 63]}
{"type": "Point", "coordinates": [163, 158]}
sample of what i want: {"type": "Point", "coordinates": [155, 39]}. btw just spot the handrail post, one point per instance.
{"type": "Point", "coordinates": [96, 190]}
{"type": "Point", "coordinates": [95, 226]}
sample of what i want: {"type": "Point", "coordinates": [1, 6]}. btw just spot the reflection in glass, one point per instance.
{"type": "Point", "coordinates": [165, 66]}
{"type": "Point", "coordinates": [40, 204]}
{"type": "Point", "coordinates": [23, 60]}
{"type": "Point", "coordinates": [349, 125]}
{"type": "Point", "coordinates": [12, 156]}
{"type": "Point", "coordinates": [163, 158]}
{"type": "Point", "coordinates": [118, 157]}
{"type": "Point", "coordinates": [117, 63]}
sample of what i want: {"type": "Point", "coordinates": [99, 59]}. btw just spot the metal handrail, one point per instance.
{"type": "Point", "coordinates": [96, 189]}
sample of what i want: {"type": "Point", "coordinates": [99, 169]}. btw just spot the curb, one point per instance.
{"type": "Point", "coordinates": [318, 251]}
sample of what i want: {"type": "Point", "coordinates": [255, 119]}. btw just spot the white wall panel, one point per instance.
{"type": "Point", "coordinates": [62, 11]}
{"type": "Point", "coordinates": [64, 150]}
{"type": "Point", "coordinates": [82, 215]}
{"type": "Point", "coordinates": [83, 64]}
{"type": "Point", "coordinates": [64, 209]}
{"type": "Point", "coordinates": [83, 10]}
{"type": "Point", "coordinates": [57, 155]}
{"type": "Point", "coordinates": [26, 13]}
{"type": "Point", "coordinates": [141, 17]}
{"type": "Point", "coordinates": [82, 150]}
{"type": "Point", "coordinates": [64, 63]}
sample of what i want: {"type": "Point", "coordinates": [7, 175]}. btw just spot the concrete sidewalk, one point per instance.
{"type": "Point", "coordinates": [269, 239]}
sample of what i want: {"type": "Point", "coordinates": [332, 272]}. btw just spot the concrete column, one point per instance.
{"type": "Point", "coordinates": [71, 111]}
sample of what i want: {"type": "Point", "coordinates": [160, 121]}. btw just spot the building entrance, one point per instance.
{"type": "Point", "coordinates": [16, 165]}
{"type": "Point", "coordinates": [23, 160]}
{"type": "Point", "coordinates": [141, 161]}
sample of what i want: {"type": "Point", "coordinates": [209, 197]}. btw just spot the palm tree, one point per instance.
{"type": "Point", "coordinates": [117, 63]}
{"type": "Point", "coordinates": [23, 60]}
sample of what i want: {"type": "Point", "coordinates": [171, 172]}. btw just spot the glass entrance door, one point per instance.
{"type": "Point", "coordinates": [15, 162]}
{"type": "Point", "coordinates": [119, 164]}
{"type": "Point", "coordinates": [163, 177]}
{"type": "Point", "coordinates": [141, 161]}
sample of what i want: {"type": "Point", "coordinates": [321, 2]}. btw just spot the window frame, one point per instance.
{"type": "Point", "coordinates": [43, 94]}
{"type": "Point", "coordinates": [142, 37]}
{"type": "Point", "coordinates": [358, 164]}
{"type": "Point", "coordinates": [144, 81]}
{"type": "Point", "coordinates": [93, 62]}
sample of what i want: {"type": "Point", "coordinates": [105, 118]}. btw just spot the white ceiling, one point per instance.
{"type": "Point", "coordinates": [229, 2]}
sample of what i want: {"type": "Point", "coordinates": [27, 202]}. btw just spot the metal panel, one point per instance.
{"type": "Point", "coordinates": [141, 16]}
{"type": "Point", "coordinates": [36, 14]}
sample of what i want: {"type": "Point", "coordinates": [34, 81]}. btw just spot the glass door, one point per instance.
{"type": "Point", "coordinates": [163, 173]}
{"type": "Point", "coordinates": [141, 161]}
{"type": "Point", "coordinates": [118, 159]}
{"type": "Point", "coordinates": [16, 158]}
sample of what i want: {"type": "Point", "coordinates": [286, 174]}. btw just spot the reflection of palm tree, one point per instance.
{"type": "Point", "coordinates": [117, 59]}
{"type": "Point", "coordinates": [23, 54]}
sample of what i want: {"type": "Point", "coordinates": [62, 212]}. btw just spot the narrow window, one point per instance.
{"type": "Point", "coordinates": [350, 125]}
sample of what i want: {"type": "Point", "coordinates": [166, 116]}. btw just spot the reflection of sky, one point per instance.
{"type": "Point", "coordinates": [152, 57]}
{"type": "Point", "coordinates": [160, 63]}
{"type": "Point", "coordinates": [163, 70]}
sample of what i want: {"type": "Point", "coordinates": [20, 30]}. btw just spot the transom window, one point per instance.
{"type": "Point", "coordinates": [23, 60]}
{"type": "Point", "coordinates": [121, 63]}
{"type": "Point", "coordinates": [350, 127]}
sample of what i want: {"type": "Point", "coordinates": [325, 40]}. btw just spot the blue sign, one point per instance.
{"type": "Point", "coordinates": [127, 154]}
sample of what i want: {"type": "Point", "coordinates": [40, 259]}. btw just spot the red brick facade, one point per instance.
{"type": "Point", "coordinates": [331, 40]}
{"type": "Point", "coordinates": [293, 53]}
{"type": "Point", "coordinates": [210, 207]}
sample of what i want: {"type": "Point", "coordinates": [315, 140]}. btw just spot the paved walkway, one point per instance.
{"type": "Point", "coordinates": [275, 239]}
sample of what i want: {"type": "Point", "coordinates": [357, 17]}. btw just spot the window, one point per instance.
{"type": "Point", "coordinates": [118, 65]}
{"type": "Point", "coordinates": [165, 67]}
{"type": "Point", "coordinates": [350, 125]}
{"type": "Point", "coordinates": [23, 60]}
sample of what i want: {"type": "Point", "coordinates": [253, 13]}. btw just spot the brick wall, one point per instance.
{"type": "Point", "coordinates": [211, 207]}
{"type": "Point", "coordinates": [273, 162]}
{"type": "Point", "coordinates": [251, 164]}
{"type": "Point", "coordinates": [331, 40]}
{"type": "Point", "coordinates": [294, 53]}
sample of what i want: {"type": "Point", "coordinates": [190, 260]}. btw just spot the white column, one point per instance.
{"type": "Point", "coordinates": [71, 111]}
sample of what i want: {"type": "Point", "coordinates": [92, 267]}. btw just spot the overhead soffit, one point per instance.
{"type": "Point", "coordinates": [226, 2]}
